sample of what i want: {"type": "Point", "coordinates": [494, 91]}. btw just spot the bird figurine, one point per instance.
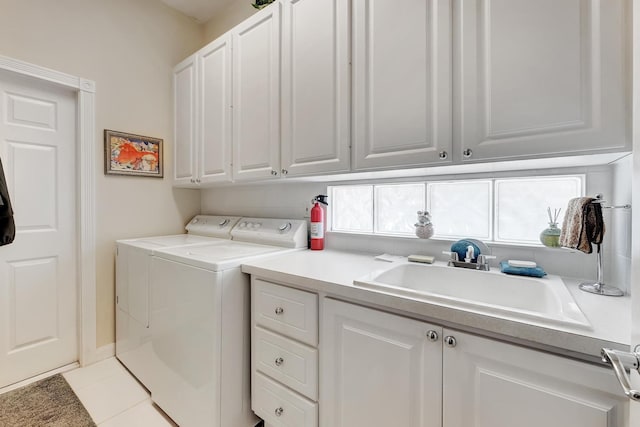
{"type": "Point", "coordinates": [424, 227]}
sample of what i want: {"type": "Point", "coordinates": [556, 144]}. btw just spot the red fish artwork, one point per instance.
{"type": "Point", "coordinates": [131, 154]}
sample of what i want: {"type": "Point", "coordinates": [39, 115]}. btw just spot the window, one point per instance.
{"type": "Point", "coordinates": [509, 210]}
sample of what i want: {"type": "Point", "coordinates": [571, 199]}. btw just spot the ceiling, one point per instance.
{"type": "Point", "coordinates": [200, 10]}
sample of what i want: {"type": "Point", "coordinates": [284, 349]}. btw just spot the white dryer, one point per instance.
{"type": "Point", "coordinates": [200, 312]}
{"type": "Point", "coordinates": [133, 260]}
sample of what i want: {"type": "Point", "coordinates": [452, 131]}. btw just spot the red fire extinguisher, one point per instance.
{"type": "Point", "coordinates": [318, 222]}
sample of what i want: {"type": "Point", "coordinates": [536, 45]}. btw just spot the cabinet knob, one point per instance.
{"type": "Point", "coordinates": [432, 336]}
{"type": "Point", "coordinates": [279, 361]}
{"type": "Point", "coordinates": [443, 155]}
{"type": "Point", "coordinates": [285, 172]}
{"type": "Point", "coordinates": [193, 181]}
{"type": "Point", "coordinates": [279, 310]}
{"type": "Point", "coordinates": [198, 180]}
{"type": "Point", "coordinates": [450, 341]}
{"type": "Point", "coordinates": [467, 153]}
{"type": "Point", "coordinates": [274, 172]}
{"type": "Point", "coordinates": [279, 412]}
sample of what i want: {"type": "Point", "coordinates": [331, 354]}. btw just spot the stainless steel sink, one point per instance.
{"type": "Point", "coordinates": [545, 300]}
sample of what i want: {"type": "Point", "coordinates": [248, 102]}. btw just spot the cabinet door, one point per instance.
{"type": "Point", "coordinates": [214, 72]}
{"type": "Point", "coordinates": [378, 369]}
{"type": "Point", "coordinates": [540, 78]}
{"type": "Point", "coordinates": [402, 83]}
{"type": "Point", "coordinates": [256, 95]}
{"type": "Point", "coordinates": [490, 383]}
{"type": "Point", "coordinates": [315, 87]}
{"type": "Point", "coordinates": [184, 141]}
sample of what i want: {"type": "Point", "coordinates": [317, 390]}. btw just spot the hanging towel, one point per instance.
{"type": "Point", "coordinates": [583, 225]}
{"type": "Point", "coordinates": [7, 225]}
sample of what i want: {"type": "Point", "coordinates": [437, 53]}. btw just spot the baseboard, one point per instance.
{"type": "Point", "coordinates": [104, 352]}
{"type": "Point", "coordinates": [42, 376]}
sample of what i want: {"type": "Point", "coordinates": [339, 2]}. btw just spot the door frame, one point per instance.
{"type": "Point", "coordinates": [85, 203]}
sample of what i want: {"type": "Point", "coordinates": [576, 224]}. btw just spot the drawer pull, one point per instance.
{"type": "Point", "coordinates": [279, 412]}
{"type": "Point", "coordinates": [279, 311]}
{"type": "Point", "coordinates": [279, 361]}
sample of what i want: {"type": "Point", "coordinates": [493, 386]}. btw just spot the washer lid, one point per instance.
{"type": "Point", "coordinates": [218, 257]}
{"type": "Point", "coordinates": [158, 242]}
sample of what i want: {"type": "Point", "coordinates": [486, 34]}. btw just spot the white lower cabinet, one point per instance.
{"type": "Point", "coordinates": [491, 383]}
{"type": "Point", "coordinates": [284, 355]}
{"type": "Point", "coordinates": [380, 369]}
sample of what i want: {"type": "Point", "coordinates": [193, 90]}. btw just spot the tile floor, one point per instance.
{"type": "Point", "coordinates": [113, 397]}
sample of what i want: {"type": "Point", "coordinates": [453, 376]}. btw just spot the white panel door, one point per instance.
{"type": "Point", "coordinates": [214, 76]}
{"type": "Point", "coordinates": [401, 83]}
{"type": "Point", "coordinates": [378, 369]}
{"type": "Point", "coordinates": [256, 95]}
{"type": "Point", "coordinates": [540, 78]}
{"type": "Point", "coordinates": [315, 87]}
{"type": "Point", "coordinates": [185, 107]}
{"type": "Point", "coordinates": [38, 330]}
{"type": "Point", "coordinates": [503, 385]}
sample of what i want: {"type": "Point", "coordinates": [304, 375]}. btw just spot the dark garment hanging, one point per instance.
{"type": "Point", "coordinates": [7, 226]}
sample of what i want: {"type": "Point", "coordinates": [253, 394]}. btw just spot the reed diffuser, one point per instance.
{"type": "Point", "coordinates": [550, 236]}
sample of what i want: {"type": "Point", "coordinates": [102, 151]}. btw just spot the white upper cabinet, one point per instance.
{"type": "Point", "coordinates": [539, 78]}
{"type": "Point", "coordinates": [202, 90]}
{"type": "Point", "coordinates": [256, 95]}
{"type": "Point", "coordinates": [214, 154]}
{"type": "Point", "coordinates": [185, 99]}
{"type": "Point", "coordinates": [315, 87]}
{"type": "Point", "coordinates": [401, 83]}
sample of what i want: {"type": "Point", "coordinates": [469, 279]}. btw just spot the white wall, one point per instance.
{"type": "Point", "coordinates": [227, 18]}
{"type": "Point", "coordinates": [283, 199]}
{"type": "Point", "coordinates": [129, 48]}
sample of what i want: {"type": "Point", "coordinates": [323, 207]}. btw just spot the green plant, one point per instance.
{"type": "Point", "coordinates": [259, 4]}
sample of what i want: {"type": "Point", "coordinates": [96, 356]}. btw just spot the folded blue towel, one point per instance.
{"type": "Point", "coordinates": [522, 271]}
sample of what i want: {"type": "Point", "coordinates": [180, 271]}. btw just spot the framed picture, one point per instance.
{"type": "Point", "coordinates": [129, 154]}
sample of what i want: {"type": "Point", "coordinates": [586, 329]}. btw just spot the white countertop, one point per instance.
{"type": "Point", "coordinates": [332, 273]}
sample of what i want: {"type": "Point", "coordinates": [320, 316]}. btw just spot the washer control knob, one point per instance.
{"type": "Point", "coordinates": [279, 412]}
{"type": "Point", "coordinates": [284, 227]}
{"type": "Point", "coordinates": [223, 222]}
{"type": "Point", "coordinates": [279, 361]}
{"type": "Point", "coordinates": [279, 310]}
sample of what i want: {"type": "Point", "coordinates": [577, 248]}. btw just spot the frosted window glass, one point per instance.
{"type": "Point", "coordinates": [397, 207]}
{"type": "Point", "coordinates": [460, 209]}
{"type": "Point", "coordinates": [521, 205]}
{"type": "Point", "coordinates": [352, 208]}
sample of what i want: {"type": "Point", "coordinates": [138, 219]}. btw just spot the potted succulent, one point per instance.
{"type": "Point", "coordinates": [259, 4]}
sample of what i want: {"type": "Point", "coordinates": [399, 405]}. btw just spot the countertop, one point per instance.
{"type": "Point", "coordinates": [331, 273]}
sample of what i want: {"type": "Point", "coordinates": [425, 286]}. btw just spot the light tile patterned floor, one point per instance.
{"type": "Point", "coordinates": [113, 397]}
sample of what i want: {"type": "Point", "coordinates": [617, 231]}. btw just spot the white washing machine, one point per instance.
{"type": "Point", "coordinates": [200, 312]}
{"type": "Point", "coordinates": [133, 260]}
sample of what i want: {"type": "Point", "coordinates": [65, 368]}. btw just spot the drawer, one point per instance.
{"type": "Point", "coordinates": [279, 406]}
{"type": "Point", "coordinates": [293, 364]}
{"type": "Point", "coordinates": [289, 311]}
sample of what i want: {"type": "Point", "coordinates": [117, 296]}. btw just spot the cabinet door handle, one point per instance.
{"type": "Point", "coordinates": [279, 310]}
{"type": "Point", "coordinates": [432, 336]}
{"type": "Point", "coordinates": [274, 172]}
{"type": "Point", "coordinates": [279, 361]}
{"type": "Point", "coordinates": [443, 155]}
{"type": "Point", "coordinates": [285, 172]}
{"type": "Point", "coordinates": [450, 341]}
{"type": "Point", "coordinates": [198, 180]}
{"type": "Point", "coordinates": [279, 412]}
{"type": "Point", "coordinates": [193, 181]}
{"type": "Point", "coordinates": [467, 153]}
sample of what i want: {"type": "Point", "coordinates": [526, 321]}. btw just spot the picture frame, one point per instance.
{"type": "Point", "coordinates": [131, 154]}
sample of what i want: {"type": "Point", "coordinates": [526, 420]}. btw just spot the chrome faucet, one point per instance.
{"type": "Point", "coordinates": [482, 261]}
